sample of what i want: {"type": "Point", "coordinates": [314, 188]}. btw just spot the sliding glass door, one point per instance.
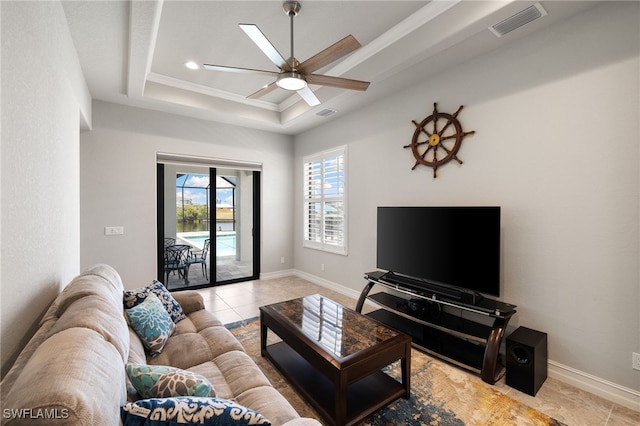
{"type": "Point", "coordinates": [236, 212]}
{"type": "Point", "coordinates": [208, 225]}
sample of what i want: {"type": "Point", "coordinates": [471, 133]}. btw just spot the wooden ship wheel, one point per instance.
{"type": "Point", "coordinates": [437, 139]}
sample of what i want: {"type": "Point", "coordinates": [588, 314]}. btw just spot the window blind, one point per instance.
{"type": "Point", "coordinates": [325, 208]}
{"type": "Point", "coordinates": [194, 160]}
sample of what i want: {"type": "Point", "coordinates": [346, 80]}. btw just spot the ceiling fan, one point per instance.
{"type": "Point", "coordinates": [293, 75]}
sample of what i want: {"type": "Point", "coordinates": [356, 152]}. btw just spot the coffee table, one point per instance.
{"type": "Point", "coordinates": [333, 356]}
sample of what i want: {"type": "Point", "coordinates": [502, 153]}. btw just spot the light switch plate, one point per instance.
{"type": "Point", "coordinates": [113, 230]}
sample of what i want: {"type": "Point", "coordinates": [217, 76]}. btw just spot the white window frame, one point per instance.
{"type": "Point", "coordinates": [319, 192]}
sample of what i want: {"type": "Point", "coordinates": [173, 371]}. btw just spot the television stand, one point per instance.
{"type": "Point", "coordinates": [408, 283]}
{"type": "Point", "coordinates": [465, 342]}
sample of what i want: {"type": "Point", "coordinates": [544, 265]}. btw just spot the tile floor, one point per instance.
{"type": "Point", "coordinates": [227, 268]}
{"type": "Point", "coordinates": [237, 302]}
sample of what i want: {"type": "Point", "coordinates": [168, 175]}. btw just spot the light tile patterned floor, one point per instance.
{"type": "Point", "coordinates": [575, 407]}
{"type": "Point", "coordinates": [227, 268]}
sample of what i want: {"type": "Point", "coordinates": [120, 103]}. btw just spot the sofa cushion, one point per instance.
{"type": "Point", "coordinates": [270, 403]}
{"type": "Point", "coordinates": [98, 290]}
{"type": "Point", "coordinates": [105, 319]}
{"type": "Point", "coordinates": [137, 354]}
{"type": "Point", "coordinates": [240, 372]}
{"type": "Point", "coordinates": [203, 319]}
{"type": "Point", "coordinates": [190, 300]}
{"type": "Point", "coordinates": [235, 376]}
{"type": "Point", "coordinates": [100, 280]}
{"type": "Point", "coordinates": [189, 411]}
{"type": "Point", "coordinates": [163, 381]}
{"type": "Point", "coordinates": [75, 377]}
{"type": "Point", "coordinates": [152, 323]}
{"type": "Point", "coordinates": [132, 298]}
{"type": "Point", "coordinates": [205, 338]}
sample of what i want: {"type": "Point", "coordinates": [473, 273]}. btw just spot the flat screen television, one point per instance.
{"type": "Point", "coordinates": [445, 250]}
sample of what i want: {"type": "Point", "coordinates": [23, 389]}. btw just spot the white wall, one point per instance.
{"type": "Point", "coordinates": [556, 145]}
{"type": "Point", "coordinates": [118, 184]}
{"type": "Point", "coordinates": [43, 96]}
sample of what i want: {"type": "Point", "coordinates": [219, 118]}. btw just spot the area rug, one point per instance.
{"type": "Point", "coordinates": [441, 395]}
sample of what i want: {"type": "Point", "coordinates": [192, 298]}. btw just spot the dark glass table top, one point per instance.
{"type": "Point", "coordinates": [337, 329]}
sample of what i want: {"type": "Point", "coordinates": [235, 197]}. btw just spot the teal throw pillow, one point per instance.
{"type": "Point", "coordinates": [189, 411]}
{"type": "Point", "coordinates": [160, 381]}
{"type": "Point", "coordinates": [132, 298]}
{"type": "Point", "coordinates": [152, 324]}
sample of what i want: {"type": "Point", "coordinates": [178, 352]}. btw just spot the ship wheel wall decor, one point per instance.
{"type": "Point", "coordinates": [437, 139]}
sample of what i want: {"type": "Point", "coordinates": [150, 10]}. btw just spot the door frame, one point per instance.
{"type": "Point", "coordinates": [256, 230]}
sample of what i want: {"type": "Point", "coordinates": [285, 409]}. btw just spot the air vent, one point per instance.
{"type": "Point", "coordinates": [326, 112]}
{"type": "Point", "coordinates": [516, 21]}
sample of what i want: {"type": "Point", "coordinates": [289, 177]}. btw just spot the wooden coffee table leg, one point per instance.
{"type": "Point", "coordinates": [405, 365]}
{"type": "Point", "coordinates": [341, 399]}
{"type": "Point", "coordinates": [263, 336]}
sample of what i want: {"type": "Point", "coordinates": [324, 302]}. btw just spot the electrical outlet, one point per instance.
{"type": "Point", "coordinates": [282, 259]}
{"type": "Point", "coordinates": [635, 363]}
{"type": "Point", "coordinates": [113, 230]}
{"type": "Point", "coordinates": [322, 267]}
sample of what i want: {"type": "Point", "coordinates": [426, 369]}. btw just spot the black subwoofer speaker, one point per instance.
{"type": "Point", "coordinates": [526, 360]}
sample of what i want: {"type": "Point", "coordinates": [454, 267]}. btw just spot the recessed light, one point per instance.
{"type": "Point", "coordinates": [191, 65]}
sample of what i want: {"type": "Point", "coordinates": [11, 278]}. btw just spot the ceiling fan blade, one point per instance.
{"type": "Point", "coordinates": [265, 45]}
{"type": "Point", "coordinates": [330, 54]}
{"type": "Point", "coordinates": [263, 91]}
{"type": "Point", "coordinates": [308, 96]}
{"type": "Point", "coordinates": [238, 70]}
{"type": "Point", "coordinates": [339, 82]}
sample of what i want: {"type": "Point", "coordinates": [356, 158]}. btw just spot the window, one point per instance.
{"type": "Point", "coordinates": [325, 201]}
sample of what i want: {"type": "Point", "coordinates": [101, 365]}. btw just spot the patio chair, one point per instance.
{"type": "Point", "coordinates": [201, 258]}
{"type": "Point", "coordinates": [175, 259]}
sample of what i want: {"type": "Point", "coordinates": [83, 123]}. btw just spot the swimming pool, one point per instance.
{"type": "Point", "coordinates": [225, 242]}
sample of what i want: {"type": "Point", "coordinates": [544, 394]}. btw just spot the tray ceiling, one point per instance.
{"type": "Point", "coordinates": [134, 52]}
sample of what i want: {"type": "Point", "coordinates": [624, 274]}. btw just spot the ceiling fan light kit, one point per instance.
{"type": "Point", "coordinates": [291, 81]}
{"type": "Point", "coordinates": [294, 75]}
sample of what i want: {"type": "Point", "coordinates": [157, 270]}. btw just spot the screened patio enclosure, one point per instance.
{"type": "Point", "coordinates": [193, 203]}
{"type": "Point", "coordinates": [215, 226]}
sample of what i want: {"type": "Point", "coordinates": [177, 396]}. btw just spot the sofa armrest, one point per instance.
{"type": "Point", "coordinates": [303, 421]}
{"type": "Point", "coordinates": [190, 300]}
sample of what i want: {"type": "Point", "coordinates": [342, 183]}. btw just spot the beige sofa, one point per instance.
{"type": "Point", "coordinates": [72, 372]}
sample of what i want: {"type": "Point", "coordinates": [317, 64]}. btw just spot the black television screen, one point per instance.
{"type": "Point", "coordinates": [446, 246]}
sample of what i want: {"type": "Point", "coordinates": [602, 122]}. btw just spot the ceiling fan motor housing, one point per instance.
{"type": "Point", "coordinates": [291, 7]}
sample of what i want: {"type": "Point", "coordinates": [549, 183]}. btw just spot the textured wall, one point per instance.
{"type": "Point", "coordinates": [556, 145]}
{"type": "Point", "coordinates": [41, 106]}
{"type": "Point", "coordinates": [118, 175]}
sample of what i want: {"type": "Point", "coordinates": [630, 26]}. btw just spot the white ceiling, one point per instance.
{"type": "Point", "coordinates": [133, 52]}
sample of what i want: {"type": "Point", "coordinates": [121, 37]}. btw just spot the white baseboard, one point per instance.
{"type": "Point", "coordinates": [327, 284]}
{"type": "Point", "coordinates": [605, 389]}
{"type": "Point", "coordinates": [277, 274]}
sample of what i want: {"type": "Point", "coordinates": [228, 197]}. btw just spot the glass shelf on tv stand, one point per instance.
{"type": "Point", "coordinates": [482, 306]}
{"type": "Point", "coordinates": [473, 345]}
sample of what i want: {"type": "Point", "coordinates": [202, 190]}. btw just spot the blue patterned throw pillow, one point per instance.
{"type": "Point", "coordinates": [152, 323]}
{"type": "Point", "coordinates": [161, 381]}
{"type": "Point", "coordinates": [189, 411]}
{"type": "Point", "coordinates": [132, 298]}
